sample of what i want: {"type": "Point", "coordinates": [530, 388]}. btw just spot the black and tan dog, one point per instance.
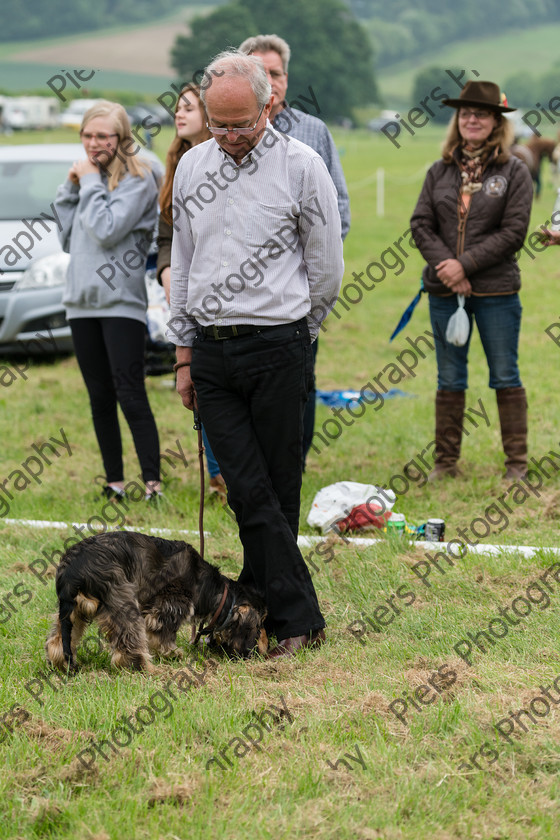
{"type": "Point", "coordinates": [141, 589]}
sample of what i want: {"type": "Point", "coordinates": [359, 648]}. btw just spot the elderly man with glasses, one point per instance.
{"type": "Point", "coordinates": [249, 262]}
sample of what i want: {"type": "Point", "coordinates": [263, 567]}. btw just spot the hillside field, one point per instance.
{"type": "Point", "coordinates": [495, 58]}
{"type": "Point", "coordinates": [125, 58]}
{"type": "Point", "coordinates": [137, 59]}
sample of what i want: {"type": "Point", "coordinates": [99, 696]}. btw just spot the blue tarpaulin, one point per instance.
{"type": "Point", "coordinates": [336, 399]}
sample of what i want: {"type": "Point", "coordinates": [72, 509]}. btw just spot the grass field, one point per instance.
{"type": "Point", "coordinates": [387, 732]}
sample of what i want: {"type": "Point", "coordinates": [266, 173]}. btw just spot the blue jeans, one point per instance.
{"type": "Point", "coordinates": [498, 319]}
{"type": "Point", "coordinates": [212, 464]}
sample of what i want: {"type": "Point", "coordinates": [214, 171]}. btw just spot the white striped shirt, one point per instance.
{"type": "Point", "coordinates": [259, 243]}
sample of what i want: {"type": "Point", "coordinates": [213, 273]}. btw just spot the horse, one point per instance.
{"type": "Point", "coordinates": [532, 153]}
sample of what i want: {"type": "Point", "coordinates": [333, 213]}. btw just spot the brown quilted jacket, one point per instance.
{"type": "Point", "coordinates": [484, 236]}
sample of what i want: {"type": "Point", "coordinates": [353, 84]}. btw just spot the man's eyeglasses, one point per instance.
{"type": "Point", "coordinates": [103, 138]}
{"type": "Point", "coordinates": [466, 113]}
{"type": "Point", "coordinates": [234, 129]}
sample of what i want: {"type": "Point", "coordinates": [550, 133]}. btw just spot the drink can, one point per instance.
{"type": "Point", "coordinates": [434, 530]}
{"type": "Point", "coordinates": [396, 523]}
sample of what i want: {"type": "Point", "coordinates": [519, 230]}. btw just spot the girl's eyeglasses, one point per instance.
{"type": "Point", "coordinates": [103, 138]}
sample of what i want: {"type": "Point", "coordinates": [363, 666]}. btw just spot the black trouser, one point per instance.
{"type": "Point", "coordinates": [251, 392]}
{"type": "Point", "coordinates": [110, 353]}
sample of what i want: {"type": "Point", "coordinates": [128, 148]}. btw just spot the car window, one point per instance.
{"type": "Point", "coordinates": [28, 188]}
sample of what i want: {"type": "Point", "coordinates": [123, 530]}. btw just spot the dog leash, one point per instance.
{"type": "Point", "coordinates": [202, 630]}
{"type": "Point", "coordinates": [198, 428]}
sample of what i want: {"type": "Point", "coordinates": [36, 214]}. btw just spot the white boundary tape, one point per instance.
{"type": "Point", "coordinates": [47, 523]}
{"type": "Point", "coordinates": [526, 550]}
{"type": "Point", "coordinates": [308, 542]}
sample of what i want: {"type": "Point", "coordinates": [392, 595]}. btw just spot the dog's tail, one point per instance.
{"type": "Point", "coordinates": [65, 617]}
{"type": "Point", "coordinates": [58, 646]}
{"type": "Point", "coordinates": [73, 614]}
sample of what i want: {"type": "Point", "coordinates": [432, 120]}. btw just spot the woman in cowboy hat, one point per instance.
{"type": "Point", "coordinates": [469, 222]}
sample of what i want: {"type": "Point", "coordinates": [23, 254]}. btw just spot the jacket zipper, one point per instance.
{"type": "Point", "coordinates": [462, 213]}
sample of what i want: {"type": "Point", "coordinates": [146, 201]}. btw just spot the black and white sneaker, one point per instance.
{"type": "Point", "coordinates": [109, 492]}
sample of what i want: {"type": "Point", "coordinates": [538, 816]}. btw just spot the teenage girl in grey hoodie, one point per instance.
{"type": "Point", "coordinates": [108, 210]}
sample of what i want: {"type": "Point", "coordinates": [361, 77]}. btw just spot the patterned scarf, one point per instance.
{"type": "Point", "coordinates": [472, 163]}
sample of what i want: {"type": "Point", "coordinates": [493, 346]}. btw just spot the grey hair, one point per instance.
{"type": "Point", "coordinates": [266, 43]}
{"type": "Point", "coordinates": [235, 63]}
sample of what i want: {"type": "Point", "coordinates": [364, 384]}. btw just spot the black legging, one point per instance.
{"type": "Point", "coordinates": [110, 353]}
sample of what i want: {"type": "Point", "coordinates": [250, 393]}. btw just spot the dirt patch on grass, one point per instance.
{"type": "Point", "coordinates": [75, 772]}
{"type": "Point", "coordinates": [374, 701]}
{"type": "Point", "coordinates": [28, 781]}
{"type": "Point", "coordinates": [551, 505]}
{"type": "Point", "coordinates": [425, 669]}
{"type": "Point", "coordinates": [18, 567]}
{"type": "Point", "coordinates": [47, 815]}
{"type": "Point", "coordinates": [53, 737]}
{"type": "Point", "coordinates": [177, 793]}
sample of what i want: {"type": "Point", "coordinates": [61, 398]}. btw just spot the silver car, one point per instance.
{"type": "Point", "coordinates": [32, 263]}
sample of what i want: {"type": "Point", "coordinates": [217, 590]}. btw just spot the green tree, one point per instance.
{"type": "Point", "coordinates": [331, 51]}
{"type": "Point", "coordinates": [521, 90]}
{"type": "Point", "coordinates": [438, 83]}
{"type": "Point", "coordinates": [226, 27]}
{"type": "Point", "coordinates": [548, 86]}
{"type": "Point", "coordinates": [391, 40]}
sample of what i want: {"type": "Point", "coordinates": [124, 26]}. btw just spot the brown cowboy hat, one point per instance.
{"type": "Point", "coordinates": [483, 94]}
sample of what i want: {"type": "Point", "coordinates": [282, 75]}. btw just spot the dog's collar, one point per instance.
{"type": "Point", "coordinates": [202, 630]}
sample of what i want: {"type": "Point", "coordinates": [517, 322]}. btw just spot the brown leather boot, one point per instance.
{"type": "Point", "coordinates": [512, 409]}
{"type": "Point", "coordinates": [450, 406]}
{"type": "Point", "coordinates": [218, 489]}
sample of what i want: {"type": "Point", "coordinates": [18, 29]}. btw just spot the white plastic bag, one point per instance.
{"type": "Point", "coordinates": [158, 309]}
{"type": "Point", "coordinates": [334, 502]}
{"type": "Point", "coordinates": [458, 326]}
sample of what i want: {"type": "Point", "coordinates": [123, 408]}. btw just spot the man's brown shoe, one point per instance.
{"type": "Point", "coordinates": [289, 646]}
{"type": "Point", "coordinates": [218, 489]}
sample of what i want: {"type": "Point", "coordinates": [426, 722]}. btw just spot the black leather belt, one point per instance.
{"type": "Point", "coordinates": [223, 332]}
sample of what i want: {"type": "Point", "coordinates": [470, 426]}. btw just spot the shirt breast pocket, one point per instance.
{"type": "Point", "coordinates": [267, 222]}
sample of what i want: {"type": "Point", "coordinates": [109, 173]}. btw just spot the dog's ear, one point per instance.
{"type": "Point", "coordinates": [252, 597]}
{"type": "Point", "coordinates": [244, 612]}
{"type": "Point", "coordinates": [262, 643]}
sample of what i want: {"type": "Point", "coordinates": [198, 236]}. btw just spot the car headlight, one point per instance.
{"type": "Point", "coordinates": [46, 272]}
